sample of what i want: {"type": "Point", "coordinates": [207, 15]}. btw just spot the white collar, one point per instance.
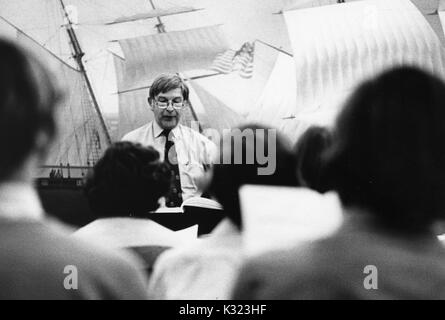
{"type": "Point", "coordinates": [118, 232]}
{"type": "Point", "coordinates": [157, 130]}
{"type": "Point", "coordinates": [19, 201]}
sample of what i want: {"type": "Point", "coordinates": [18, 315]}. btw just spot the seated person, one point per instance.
{"type": "Point", "coordinates": [124, 186]}
{"type": "Point", "coordinates": [387, 162]}
{"type": "Point", "coordinates": [309, 151]}
{"type": "Point", "coordinates": [38, 259]}
{"type": "Point", "coordinates": [206, 269]}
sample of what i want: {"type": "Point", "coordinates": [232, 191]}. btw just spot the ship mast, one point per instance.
{"type": "Point", "coordinates": [160, 26]}
{"type": "Point", "coordinates": [78, 55]}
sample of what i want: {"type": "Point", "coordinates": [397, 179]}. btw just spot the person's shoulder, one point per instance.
{"type": "Point", "coordinates": [198, 253]}
{"type": "Point", "coordinates": [182, 254]}
{"type": "Point", "coordinates": [112, 268]}
{"type": "Point", "coordinates": [135, 135]}
{"type": "Point", "coordinates": [48, 254]}
{"type": "Point", "coordinates": [299, 259]}
{"type": "Point", "coordinates": [270, 260]}
{"type": "Point", "coordinates": [107, 257]}
{"type": "Point", "coordinates": [119, 272]}
{"type": "Point", "coordinates": [184, 261]}
{"type": "Point", "coordinates": [173, 262]}
{"type": "Point", "coordinates": [273, 274]}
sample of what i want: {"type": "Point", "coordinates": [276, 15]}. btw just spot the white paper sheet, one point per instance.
{"type": "Point", "coordinates": [336, 47]}
{"type": "Point", "coordinates": [128, 232]}
{"type": "Point", "coordinates": [277, 217]}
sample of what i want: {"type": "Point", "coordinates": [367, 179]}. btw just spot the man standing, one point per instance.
{"type": "Point", "coordinates": [187, 151]}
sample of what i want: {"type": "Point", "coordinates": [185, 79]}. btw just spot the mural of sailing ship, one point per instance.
{"type": "Point", "coordinates": [294, 73]}
{"type": "Point", "coordinates": [328, 51]}
{"type": "Point", "coordinates": [197, 54]}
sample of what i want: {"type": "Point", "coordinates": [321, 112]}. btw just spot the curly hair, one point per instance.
{"type": "Point", "coordinates": [127, 181]}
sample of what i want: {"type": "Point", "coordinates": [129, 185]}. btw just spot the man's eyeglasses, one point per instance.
{"type": "Point", "coordinates": [163, 103]}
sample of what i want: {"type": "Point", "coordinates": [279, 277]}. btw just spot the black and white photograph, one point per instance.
{"type": "Point", "coordinates": [219, 151]}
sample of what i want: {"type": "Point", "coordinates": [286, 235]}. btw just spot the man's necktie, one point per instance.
{"type": "Point", "coordinates": [174, 197]}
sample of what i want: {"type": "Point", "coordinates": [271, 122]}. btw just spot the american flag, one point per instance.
{"type": "Point", "coordinates": [240, 61]}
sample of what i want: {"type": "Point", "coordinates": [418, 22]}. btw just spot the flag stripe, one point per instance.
{"type": "Point", "coordinates": [240, 61]}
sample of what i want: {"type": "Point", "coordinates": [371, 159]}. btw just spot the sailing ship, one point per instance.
{"type": "Point", "coordinates": [331, 51]}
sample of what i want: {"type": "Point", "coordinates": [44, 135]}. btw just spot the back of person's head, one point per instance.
{"type": "Point", "coordinates": [128, 180]}
{"type": "Point", "coordinates": [167, 82]}
{"type": "Point", "coordinates": [309, 151]}
{"type": "Point", "coordinates": [250, 154]}
{"type": "Point", "coordinates": [28, 98]}
{"type": "Point", "coordinates": [388, 153]}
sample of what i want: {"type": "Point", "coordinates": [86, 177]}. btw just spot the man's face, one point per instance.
{"type": "Point", "coordinates": [168, 118]}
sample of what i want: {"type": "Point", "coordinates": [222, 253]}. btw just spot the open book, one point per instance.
{"type": "Point", "coordinates": [192, 202]}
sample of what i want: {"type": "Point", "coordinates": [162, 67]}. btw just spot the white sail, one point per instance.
{"type": "Point", "coordinates": [277, 102]}
{"type": "Point", "coordinates": [336, 47]}
{"type": "Point", "coordinates": [147, 57]}
{"type": "Point", "coordinates": [303, 4]}
{"type": "Point", "coordinates": [133, 106]}
{"type": "Point", "coordinates": [240, 94]}
{"type": "Point", "coordinates": [429, 9]}
{"type": "Point", "coordinates": [153, 14]}
{"type": "Point", "coordinates": [214, 113]}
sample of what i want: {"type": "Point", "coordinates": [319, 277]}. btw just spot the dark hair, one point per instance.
{"type": "Point", "coordinates": [128, 180]}
{"type": "Point", "coordinates": [388, 154]}
{"type": "Point", "coordinates": [167, 82]}
{"type": "Point", "coordinates": [28, 98]}
{"type": "Point", "coordinates": [228, 178]}
{"type": "Point", "coordinates": [309, 151]}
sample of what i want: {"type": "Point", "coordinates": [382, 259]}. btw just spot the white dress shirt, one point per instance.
{"type": "Point", "coordinates": [192, 148]}
{"type": "Point", "coordinates": [205, 270]}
